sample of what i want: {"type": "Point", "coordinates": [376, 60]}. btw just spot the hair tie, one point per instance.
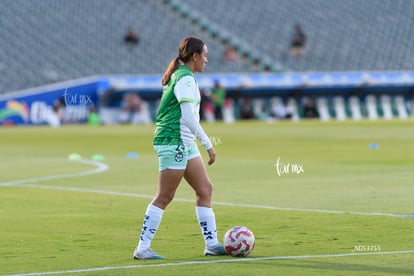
{"type": "Point", "coordinates": [179, 60]}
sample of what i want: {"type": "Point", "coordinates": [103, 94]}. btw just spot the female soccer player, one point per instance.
{"type": "Point", "coordinates": [177, 127]}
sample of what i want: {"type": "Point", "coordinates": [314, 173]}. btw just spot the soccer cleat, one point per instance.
{"type": "Point", "coordinates": [217, 250]}
{"type": "Point", "coordinates": [147, 254]}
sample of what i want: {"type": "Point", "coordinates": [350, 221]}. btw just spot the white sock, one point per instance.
{"type": "Point", "coordinates": [152, 220]}
{"type": "Point", "coordinates": [207, 221]}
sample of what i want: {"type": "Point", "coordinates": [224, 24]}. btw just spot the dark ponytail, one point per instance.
{"type": "Point", "coordinates": [187, 48]}
{"type": "Point", "coordinates": [170, 69]}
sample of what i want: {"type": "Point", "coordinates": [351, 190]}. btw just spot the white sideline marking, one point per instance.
{"type": "Point", "coordinates": [101, 167]}
{"type": "Point", "coordinates": [315, 210]}
{"type": "Point", "coordinates": [233, 260]}
{"type": "Point", "coordinates": [105, 192]}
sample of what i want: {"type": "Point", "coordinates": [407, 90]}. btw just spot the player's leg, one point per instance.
{"type": "Point", "coordinates": [169, 179]}
{"type": "Point", "coordinates": [196, 176]}
{"type": "Point", "coordinates": [167, 185]}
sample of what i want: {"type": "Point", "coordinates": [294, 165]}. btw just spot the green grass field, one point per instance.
{"type": "Point", "coordinates": [350, 212]}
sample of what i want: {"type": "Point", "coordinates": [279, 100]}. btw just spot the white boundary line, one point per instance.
{"type": "Point", "coordinates": [106, 192]}
{"type": "Point", "coordinates": [233, 260]}
{"type": "Point", "coordinates": [101, 167]}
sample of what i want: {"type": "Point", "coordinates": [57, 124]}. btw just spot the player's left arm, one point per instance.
{"type": "Point", "coordinates": [185, 91]}
{"type": "Point", "coordinates": [187, 113]}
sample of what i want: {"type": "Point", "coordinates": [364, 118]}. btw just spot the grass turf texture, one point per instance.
{"type": "Point", "coordinates": [44, 229]}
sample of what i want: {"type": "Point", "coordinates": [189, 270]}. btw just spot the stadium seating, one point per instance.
{"type": "Point", "coordinates": [47, 41]}
{"type": "Point", "coordinates": [342, 35]}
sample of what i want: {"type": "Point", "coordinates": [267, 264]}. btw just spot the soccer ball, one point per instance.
{"type": "Point", "coordinates": [239, 241]}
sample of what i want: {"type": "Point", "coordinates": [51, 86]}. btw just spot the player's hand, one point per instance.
{"type": "Point", "coordinates": [212, 155]}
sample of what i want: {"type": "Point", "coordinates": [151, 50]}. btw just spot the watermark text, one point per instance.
{"type": "Point", "coordinates": [76, 99]}
{"type": "Point", "coordinates": [367, 248]}
{"type": "Point", "coordinates": [288, 168]}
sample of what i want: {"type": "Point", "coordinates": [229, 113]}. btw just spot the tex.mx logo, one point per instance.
{"type": "Point", "coordinates": [76, 99]}
{"type": "Point", "coordinates": [287, 168]}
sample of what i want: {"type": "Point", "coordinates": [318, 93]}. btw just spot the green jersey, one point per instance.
{"type": "Point", "coordinates": [170, 129]}
{"type": "Point", "coordinates": [219, 96]}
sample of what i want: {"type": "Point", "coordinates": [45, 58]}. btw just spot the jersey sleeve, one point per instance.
{"type": "Point", "coordinates": [195, 127]}
{"type": "Point", "coordinates": [186, 89]}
